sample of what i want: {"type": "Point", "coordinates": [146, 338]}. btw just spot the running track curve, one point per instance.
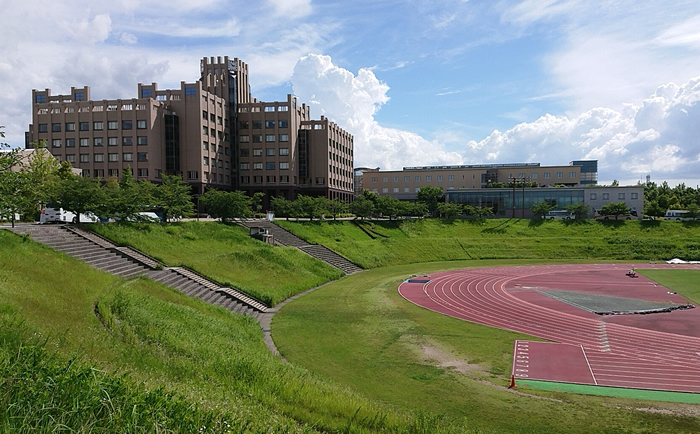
{"type": "Point", "coordinates": [617, 355]}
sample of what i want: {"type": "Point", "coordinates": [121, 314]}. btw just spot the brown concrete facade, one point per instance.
{"type": "Point", "coordinates": [404, 184]}
{"type": "Point", "coordinates": [211, 132]}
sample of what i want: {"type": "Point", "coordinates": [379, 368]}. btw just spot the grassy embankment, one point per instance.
{"type": "Point", "coordinates": [227, 255]}
{"type": "Point", "coordinates": [426, 240]}
{"type": "Point", "coordinates": [157, 361]}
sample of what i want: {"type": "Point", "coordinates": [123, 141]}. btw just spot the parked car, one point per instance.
{"type": "Point", "coordinates": [632, 215]}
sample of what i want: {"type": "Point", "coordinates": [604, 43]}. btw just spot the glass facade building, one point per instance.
{"type": "Point", "coordinates": [505, 200]}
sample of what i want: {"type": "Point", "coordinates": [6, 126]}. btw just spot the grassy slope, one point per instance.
{"type": "Point", "coordinates": [226, 254]}
{"type": "Point", "coordinates": [413, 241]}
{"type": "Point", "coordinates": [215, 362]}
{"type": "Point", "coordinates": [360, 332]}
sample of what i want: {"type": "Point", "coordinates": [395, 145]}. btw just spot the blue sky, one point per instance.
{"type": "Point", "coordinates": [416, 82]}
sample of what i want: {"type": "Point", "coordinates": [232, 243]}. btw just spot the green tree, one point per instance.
{"type": "Point", "coordinates": [653, 209]}
{"type": "Point", "coordinates": [580, 210]}
{"type": "Point", "coordinates": [481, 211]}
{"type": "Point", "coordinates": [132, 197]}
{"type": "Point", "coordinates": [336, 207]}
{"type": "Point", "coordinates": [308, 206]}
{"type": "Point", "coordinates": [449, 209]}
{"type": "Point", "coordinates": [77, 195]}
{"type": "Point", "coordinates": [362, 207]}
{"type": "Point", "coordinates": [413, 209]}
{"type": "Point", "coordinates": [430, 196]}
{"type": "Point", "coordinates": [542, 208]}
{"type": "Point", "coordinates": [42, 169]}
{"type": "Point", "coordinates": [16, 195]}
{"type": "Point", "coordinates": [387, 206]}
{"type": "Point", "coordinates": [282, 207]}
{"type": "Point", "coordinates": [256, 202]}
{"type": "Point", "coordinates": [693, 210]}
{"type": "Point", "coordinates": [227, 205]}
{"type": "Point", "coordinates": [615, 208]}
{"type": "Point", "coordinates": [173, 197]}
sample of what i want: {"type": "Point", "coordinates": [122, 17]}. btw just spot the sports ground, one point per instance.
{"type": "Point", "coordinates": [601, 325]}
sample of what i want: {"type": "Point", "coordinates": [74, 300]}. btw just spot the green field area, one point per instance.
{"type": "Point", "coordinates": [362, 333]}
{"type": "Point", "coordinates": [425, 240]}
{"type": "Point", "coordinates": [98, 353]}
{"type": "Point", "coordinates": [226, 254]}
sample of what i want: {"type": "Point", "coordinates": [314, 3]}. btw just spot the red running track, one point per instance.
{"type": "Point", "coordinates": [657, 351]}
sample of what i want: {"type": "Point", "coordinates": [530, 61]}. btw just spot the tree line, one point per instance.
{"type": "Point", "coordinates": [660, 198]}
{"type": "Point", "coordinates": [42, 180]}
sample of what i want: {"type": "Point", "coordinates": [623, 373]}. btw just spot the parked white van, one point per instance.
{"type": "Point", "coordinates": [676, 214]}
{"type": "Point", "coordinates": [58, 215]}
{"type": "Point", "coordinates": [559, 214]}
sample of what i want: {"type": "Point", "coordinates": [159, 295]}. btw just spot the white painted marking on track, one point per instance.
{"type": "Point", "coordinates": [589, 366]}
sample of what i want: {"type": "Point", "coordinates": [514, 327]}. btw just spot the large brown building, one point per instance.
{"type": "Point", "coordinates": [211, 132]}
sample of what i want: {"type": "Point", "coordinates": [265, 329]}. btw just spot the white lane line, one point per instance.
{"type": "Point", "coordinates": [589, 365]}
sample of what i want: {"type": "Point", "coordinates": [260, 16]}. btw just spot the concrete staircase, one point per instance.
{"type": "Point", "coordinates": [285, 238]}
{"type": "Point", "coordinates": [195, 285]}
{"type": "Point", "coordinates": [128, 262]}
{"type": "Point", "coordinates": [60, 238]}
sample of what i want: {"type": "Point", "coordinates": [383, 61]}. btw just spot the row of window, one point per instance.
{"type": "Point", "coordinates": [100, 173]}
{"type": "Point", "coordinates": [213, 118]}
{"type": "Point", "coordinates": [451, 177]}
{"type": "Point", "coordinates": [259, 124]}
{"type": "Point", "coordinates": [213, 148]}
{"type": "Point", "coordinates": [213, 133]}
{"type": "Point", "coordinates": [96, 126]}
{"type": "Point", "coordinates": [111, 157]}
{"type": "Point", "coordinates": [339, 147]}
{"type": "Point", "coordinates": [405, 189]}
{"type": "Point", "coordinates": [268, 108]}
{"type": "Point", "coordinates": [258, 152]}
{"type": "Point", "coordinates": [258, 138]}
{"type": "Point", "coordinates": [88, 109]}
{"type": "Point", "coordinates": [99, 141]}
{"type": "Point", "coordinates": [284, 179]}
{"type": "Point", "coordinates": [339, 171]}
{"type": "Point", "coordinates": [415, 178]}
{"type": "Point", "coordinates": [620, 196]}
{"type": "Point", "coordinates": [546, 175]}
{"type": "Point", "coordinates": [221, 163]}
{"type": "Point", "coordinates": [194, 175]}
{"type": "Point", "coordinates": [339, 159]}
{"type": "Point", "coordinates": [268, 166]}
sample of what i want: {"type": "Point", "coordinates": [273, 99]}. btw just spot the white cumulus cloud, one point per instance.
{"type": "Point", "coordinates": [351, 101]}
{"type": "Point", "coordinates": [660, 136]}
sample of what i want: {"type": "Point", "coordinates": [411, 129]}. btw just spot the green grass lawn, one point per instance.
{"type": "Point", "coordinates": [423, 240]}
{"type": "Point", "coordinates": [153, 360]}
{"type": "Point", "coordinates": [227, 255]}
{"type": "Point", "coordinates": [360, 332]}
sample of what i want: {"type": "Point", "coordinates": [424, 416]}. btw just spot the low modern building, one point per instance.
{"type": "Point", "coordinates": [516, 202]}
{"type": "Point", "coordinates": [404, 184]}
{"type": "Point", "coordinates": [212, 132]}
